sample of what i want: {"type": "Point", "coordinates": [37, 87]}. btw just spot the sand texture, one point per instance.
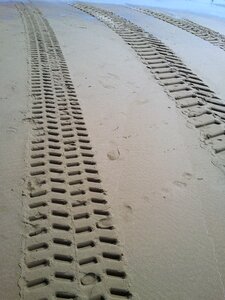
{"type": "Point", "coordinates": [112, 153]}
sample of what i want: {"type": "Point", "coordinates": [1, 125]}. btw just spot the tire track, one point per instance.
{"type": "Point", "coordinates": [204, 110]}
{"type": "Point", "coordinates": [207, 34]}
{"type": "Point", "coordinates": [70, 248]}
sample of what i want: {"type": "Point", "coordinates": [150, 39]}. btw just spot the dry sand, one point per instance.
{"type": "Point", "coordinates": [166, 196]}
{"type": "Point", "coordinates": [199, 55]}
{"type": "Point", "coordinates": [13, 137]}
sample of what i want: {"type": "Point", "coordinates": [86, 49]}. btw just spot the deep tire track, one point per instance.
{"type": "Point", "coordinates": [205, 111]}
{"type": "Point", "coordinates": [71, 250]}
{"type": "Point", "coordinates": [207, 34]}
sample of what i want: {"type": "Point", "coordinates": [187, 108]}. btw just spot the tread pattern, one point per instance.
{"type": "Point", "coordinates": [195, 99]}
{"type": "Point", "coordinates": [205, 33]}
{"type": "Point", "coordinates": [70, 249]}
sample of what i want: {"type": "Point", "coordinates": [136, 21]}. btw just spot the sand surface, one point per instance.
{"type": "Point", "coordinates": [198, 54]}
{"type": "Point", "coordinates": [166, 196]}
{"type": "Point", "coordinates": [13, 138]}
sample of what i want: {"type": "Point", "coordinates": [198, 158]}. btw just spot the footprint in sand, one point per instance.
{"type": "Point", "coordinates": [126, 212]}
{"type": "Point", "coordinates": [113, 154]}
{"type": "Point", "coordinates": [186, 176]}
{"type": "Point", "coordinates": [11, 130]}
{"type": "Point", "coordinates": [180, 183]}
{"type": "Point", "coordinates": [128, 208]}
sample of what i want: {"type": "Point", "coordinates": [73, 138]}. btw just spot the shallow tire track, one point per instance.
{"type": "Point", "coordinates": [195, 99]}
{"type": "Point", "coordinates": [71, 250]}
{"type": "Point", "coordinates": [207, 34]}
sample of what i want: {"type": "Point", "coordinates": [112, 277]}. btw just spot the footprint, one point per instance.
{"type": "Point", "coordinates": [113, 154]}
{"type": "Point", "coordinates": [129, 208]}
{"type": "Point", "coordinates": [106, 86]}
{"type": "Point", "coordinates": [105, 223]}
{"type": "Point", "coordinates": [127, 212]}
{"type": "Point", "coordinates": [11, 130]}
{"type": "Point", "coordinates": [113, 75]}
{"type": "Point", "coordinates": [90, 279]}
{"type": "Point", "coordinates": [187, 175]}
{"type": "Point", "coordinates": [180, 183]}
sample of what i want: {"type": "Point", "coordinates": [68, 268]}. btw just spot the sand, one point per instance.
{"type": "Point", "coordinates": [166, 196]}
{"type": "Point", "coordinates": [13, 138]}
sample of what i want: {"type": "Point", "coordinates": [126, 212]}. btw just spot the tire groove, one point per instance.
{"type": "Point", "coordinates": [191, 94]}
{"type": "Point", "coordinates": [213, 37]}
{"type": "Point", "coordinates": [62, 248]}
